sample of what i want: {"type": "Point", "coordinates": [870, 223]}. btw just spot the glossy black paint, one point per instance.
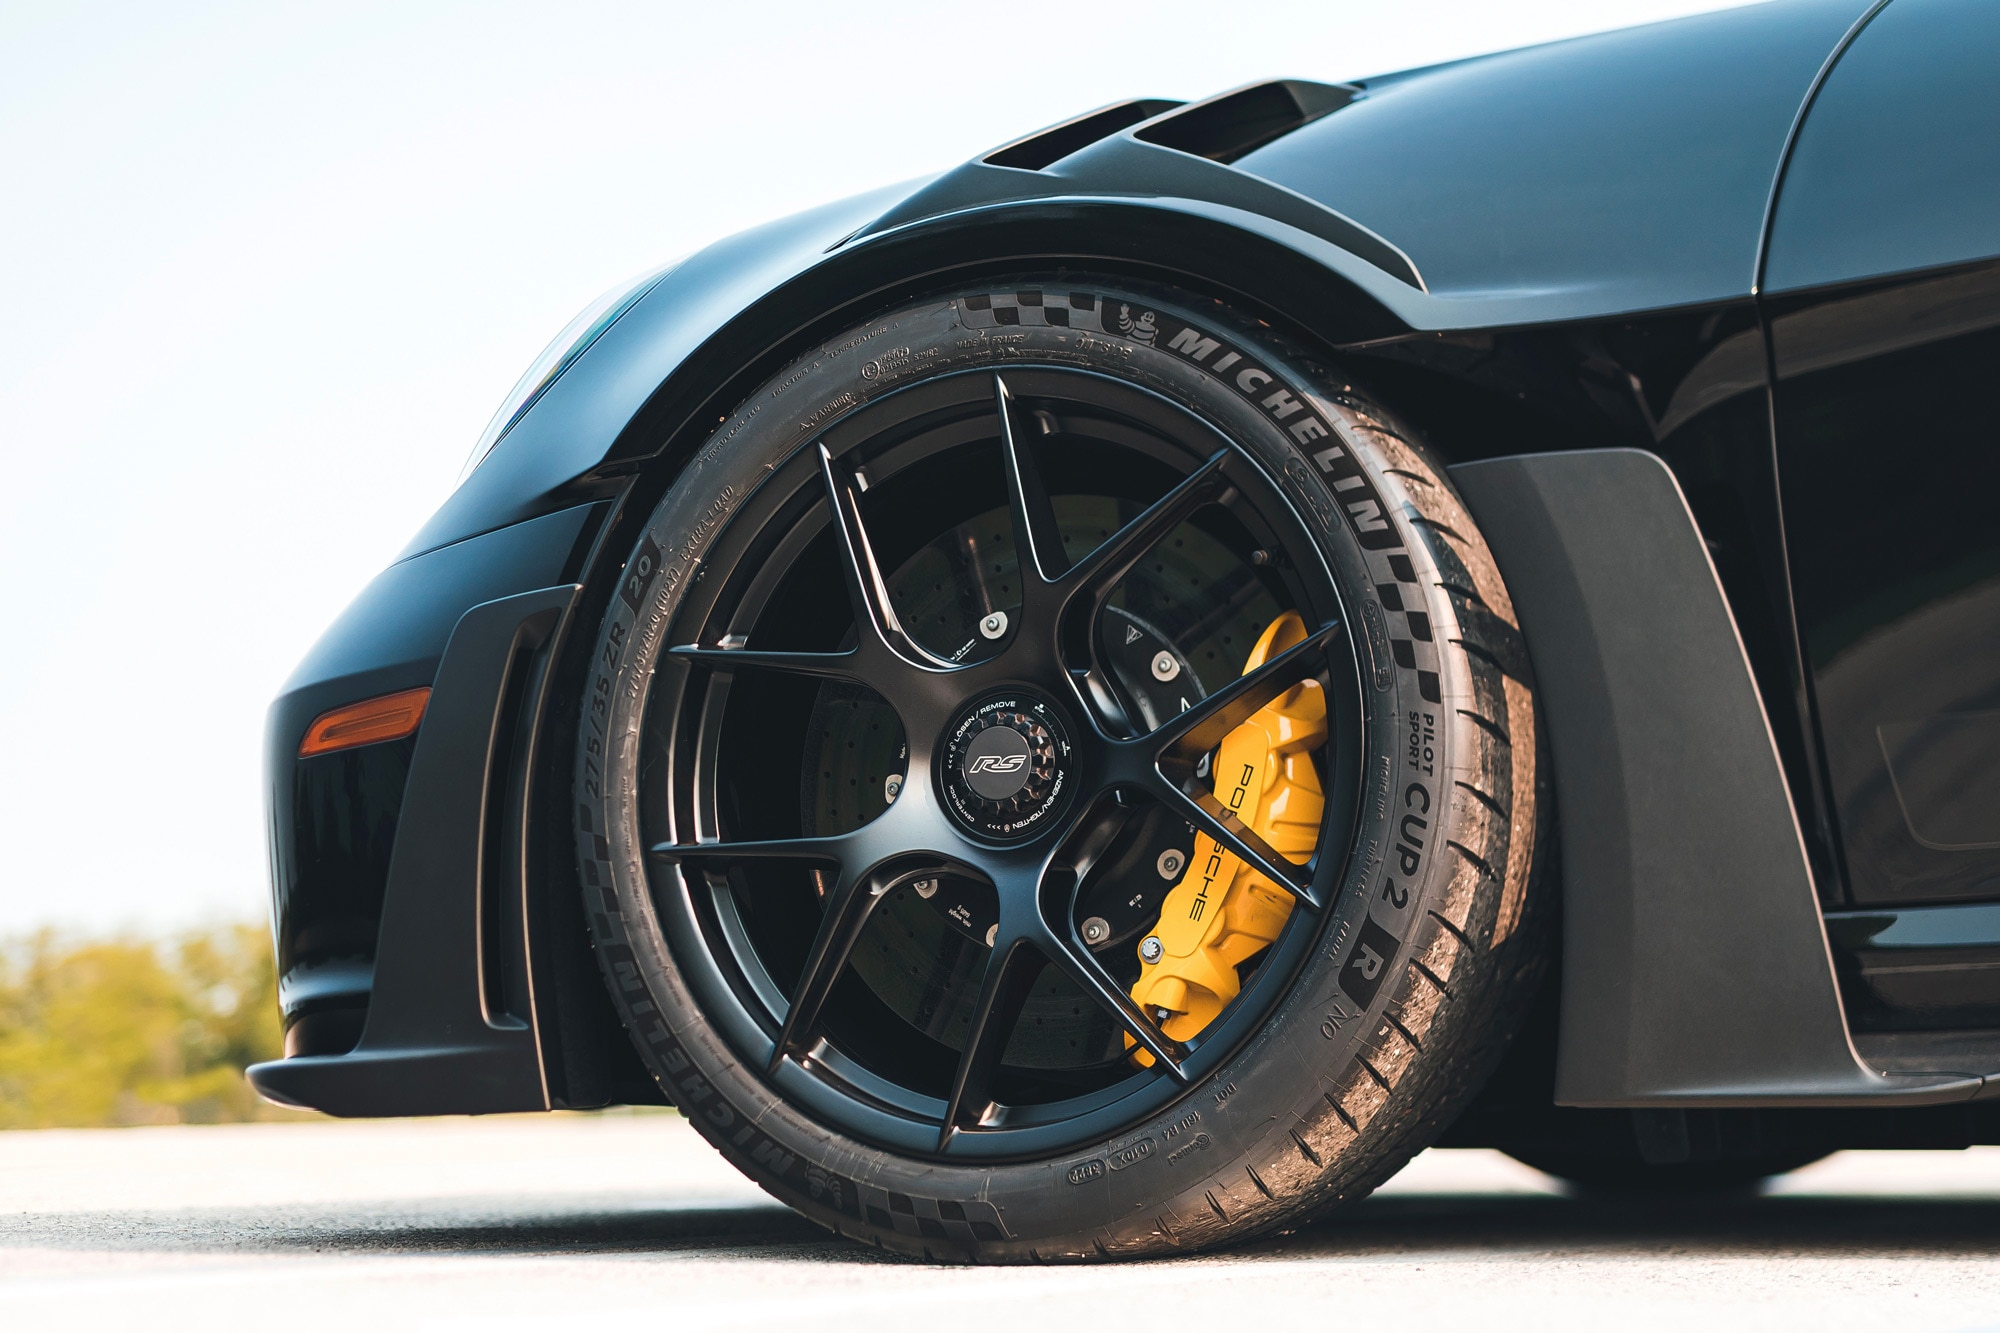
{"type": "Point", "coordinates": [547, 461]}
{"type": "Point", "coordinates": [1890, 461]}
{"type": "Point", "coordinates": [1624, 171]}
{"type": "Point", "coordinates": [331, 836]}
{"type": "Point", "coordinates": [1552, 249]}
{"type": "Point", "coordinates": [1897, 167]}
{"type": "Point", "coordinates": [1920, 968]}
{"type": "Point", "coordinates": [1892, 486]}
{"type": "Point", "coordinates": [1141, 162]}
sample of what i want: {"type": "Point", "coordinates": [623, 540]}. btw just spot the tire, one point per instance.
{"type": "Point", "coordinates": [1382, 1011]}
{"type": "Point", "coordinates": [1631, 1176]}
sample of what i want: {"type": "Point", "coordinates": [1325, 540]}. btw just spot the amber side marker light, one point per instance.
{"type": "Point", "coordinates": [388, 718]}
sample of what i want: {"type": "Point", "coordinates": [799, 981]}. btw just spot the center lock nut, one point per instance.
{"type": "Point", "coordinates": [1005, 769]}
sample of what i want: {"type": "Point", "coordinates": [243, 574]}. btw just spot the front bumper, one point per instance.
{"type": "Point", "coordinates": [402, 945]}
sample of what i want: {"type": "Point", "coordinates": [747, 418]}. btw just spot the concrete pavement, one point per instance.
{"type": "Point", "coordinates": [533, 1222]}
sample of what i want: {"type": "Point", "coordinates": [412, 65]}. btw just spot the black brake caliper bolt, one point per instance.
{"type": "Point", "coordinates": [1150, 949]}
{"type": "Point", "coordinates": [994, 625]}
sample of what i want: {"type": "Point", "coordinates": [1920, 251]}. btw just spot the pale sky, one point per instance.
{"type": "Point", "coordinates": [265, 271]}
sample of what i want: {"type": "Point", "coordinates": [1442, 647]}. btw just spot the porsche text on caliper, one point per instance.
{"type": "Point", "coordinates": [1222, 912]}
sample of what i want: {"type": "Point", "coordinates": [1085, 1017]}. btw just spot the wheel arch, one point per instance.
{"type": "Point", "coordinates": [633, 406]}
{"type": "Point", "coordinates": [1146, 240]}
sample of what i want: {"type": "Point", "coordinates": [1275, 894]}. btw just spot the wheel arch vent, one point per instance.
{"type": "Point", "coordinates": [1046, 147]}
{"type": "Point", "coordinates": [1232, 125]}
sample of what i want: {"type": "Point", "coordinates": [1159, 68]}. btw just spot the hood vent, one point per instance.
{"type": "Point", "coordinates": [1235, 124]}
{"type": "Point", "coordinates": [1046, 147]}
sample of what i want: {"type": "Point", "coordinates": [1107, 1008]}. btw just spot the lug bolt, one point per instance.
{"type": "Point", "coordinates": [925, 887]}
{"type": "Point", "coordinates": [1096, 930]}
{"type": "Point", "coordinates": [994, 625]}
{"type": "Point", "coordinates": [1150, 949]}
{"type": "Point", "coordinates": [892, 787]}
{"type": "Point", "coordinates": [1164, 666]}
{"type": "Point", "coordinates": [992, 933]}
{"type": "Point", "coordinates": [1170, 863]}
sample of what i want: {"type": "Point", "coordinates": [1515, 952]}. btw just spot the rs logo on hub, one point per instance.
{"type": "Point", "coordinates": [997, 763]}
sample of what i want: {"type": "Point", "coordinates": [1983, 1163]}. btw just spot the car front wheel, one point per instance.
{"type": "Point", "coordinates": [1060, 780]}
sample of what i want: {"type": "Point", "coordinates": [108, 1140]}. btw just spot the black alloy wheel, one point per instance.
{"type": "Point", "coordinates": [1027, 765]}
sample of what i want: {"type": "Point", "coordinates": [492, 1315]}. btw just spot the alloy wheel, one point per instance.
{"type": "Point", "coordinates": [939, 628]}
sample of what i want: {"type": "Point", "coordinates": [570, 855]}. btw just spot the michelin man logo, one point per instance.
{"type": "Point", "coordinates": [1143, 329]}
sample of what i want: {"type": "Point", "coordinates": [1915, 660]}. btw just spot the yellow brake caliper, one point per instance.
{"type": "Point", "coordinates": [1222, 911]}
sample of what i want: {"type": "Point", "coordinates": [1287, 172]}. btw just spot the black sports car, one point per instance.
{"type": "Point", "coordinates": [1094, 705]}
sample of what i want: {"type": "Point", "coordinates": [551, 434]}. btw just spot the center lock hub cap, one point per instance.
{"type": "Point", "coordinates": [1005, 769]}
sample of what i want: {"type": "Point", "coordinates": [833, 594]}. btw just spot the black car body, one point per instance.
{"type": "Point", "coordinates": [1760, 246]}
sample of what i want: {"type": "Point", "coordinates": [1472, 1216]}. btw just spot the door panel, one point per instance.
{"type": "Point", "coordinates": [1889, 443]}
{"type": "Point", "coordinates": [1890, 459]}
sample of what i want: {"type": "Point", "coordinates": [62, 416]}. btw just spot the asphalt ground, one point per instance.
{"type": "Point", "coordinates": [536, 1222]}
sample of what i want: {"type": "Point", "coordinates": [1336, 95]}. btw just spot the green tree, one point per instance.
{"type": "Point", "coordinates": [130, 1031]}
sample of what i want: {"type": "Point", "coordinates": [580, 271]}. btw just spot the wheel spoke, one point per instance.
{"type": "Point", "coordinates": [1181, 740]}
{"type": "Point", "coordinates": [827, 666]}
{"type": "Point", "coordinates": [845, 911]}
{"type": "Point", "coordinates": [1178, 744]}
{"type": "Point", "coordinates": [1069, 957]}
{"type": "Point", "coordinates": [1238, 839]}
{"type": "Point", "coordinates": [1099, 703]}
{"type": "Point", "coordinates": [1003, 992]}
{"type": "Point", "coordinates": [875, 619]}
{"type": "Point", "coordinates": [835, 849]}
{"type": "Point", "coordinates": [1097, 573]}
{"type": "Point", "coordinates": [1092, 835]}
{"type": "Point", "coordinates": [1034, 516]}
{"type": "Point", "coordinates": [849, 904]}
